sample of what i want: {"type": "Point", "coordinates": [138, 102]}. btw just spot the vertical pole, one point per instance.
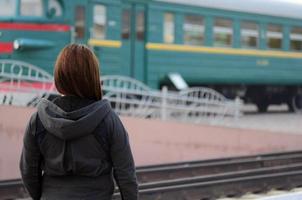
{"type": "Point", "coordinates": [237, 108]}
{"type": "Point", "coordinates": [164, 93]}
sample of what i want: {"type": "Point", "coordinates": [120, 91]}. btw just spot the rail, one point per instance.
{"type": "Point", "coordinates": [227, 185]}
{"type": "Point", "coordinates": [207, 178]}
{"type": "Point", "coordinates": [12, 189]}
{"type": "Point", "coordinates": [206, 167]}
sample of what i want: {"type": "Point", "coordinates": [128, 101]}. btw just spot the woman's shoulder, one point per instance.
{"type": "Point", "coordinates": [112, 115]}
{"type": "Point", "coordinates": [33, 118]}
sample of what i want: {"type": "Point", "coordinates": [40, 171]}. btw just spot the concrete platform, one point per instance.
{"type": "Point", "coordinates": [155, 142]}
{"type": "Point", "coordinates": [160, 142]}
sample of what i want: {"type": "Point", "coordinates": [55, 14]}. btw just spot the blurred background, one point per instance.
{"type": "Point", "coordinates": [191, 79]}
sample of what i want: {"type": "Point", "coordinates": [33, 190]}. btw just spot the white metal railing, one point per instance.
{"type": "Point", "coordinates": [24, 84]}
{"type": "Point", "coordinates": [212, 102]}
{"type": "Point", "coordinates": [112, 82]}
{"type": "Point", "coordinates": [198, 105]}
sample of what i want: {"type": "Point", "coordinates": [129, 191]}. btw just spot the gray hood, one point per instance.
{"type": "Point", "coordinates": [74, 124]}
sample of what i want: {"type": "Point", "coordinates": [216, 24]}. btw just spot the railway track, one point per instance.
{"type": "Point", "coordinates": [204, 167]}
{"type": "Point", "coordinates": [225, 184]}
{"type": "Point", "coordinates": [206, 179]}
{"type": "Point", "coordinates": [12, 189]}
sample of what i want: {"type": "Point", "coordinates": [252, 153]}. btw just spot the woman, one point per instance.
{"type": "Point", "coordinates": [75, 145]}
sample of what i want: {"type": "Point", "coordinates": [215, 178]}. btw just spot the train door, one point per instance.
{"type": "Point", "coordinates": [133, 39]}
{"type": "Point", "coordinates": [80, 31]}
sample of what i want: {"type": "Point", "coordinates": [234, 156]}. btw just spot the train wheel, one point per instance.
{"type": "Point", "coordinates": [262, 107]}
{"type": "Point", "coordinates": [297, 103]}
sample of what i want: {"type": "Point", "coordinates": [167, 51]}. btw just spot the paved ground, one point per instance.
{"type": "Point", "coordinates": [277, 119]}
{"type": "Point", "coordinates": [160, 142]}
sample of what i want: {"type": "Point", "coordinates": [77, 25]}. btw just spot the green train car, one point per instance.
{"type": "Point", "coordinates": [251, 49]}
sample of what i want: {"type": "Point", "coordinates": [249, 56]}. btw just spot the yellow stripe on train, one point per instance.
{"type": "Point", "coordinates": [196, 49]}
{"type": "Point", "coordinates": [215, 50]}
{"type": "Point", "coordinates": [105, 43]}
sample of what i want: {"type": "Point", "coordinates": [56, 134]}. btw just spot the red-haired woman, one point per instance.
{"type": "Point", "coordinates": [75, 145]}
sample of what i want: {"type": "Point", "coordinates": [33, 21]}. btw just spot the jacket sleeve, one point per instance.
{"type": "Point", "coordinates": [122, 160]}
{"type": "Point", "coordinates": [30, 162]}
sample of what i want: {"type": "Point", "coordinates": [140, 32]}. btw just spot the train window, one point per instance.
{"type": "Point", "coordinates": [99, 22]}
{"type": "Point", "coordinates": [223, 32]}
{"type": "Point", "coordinates": [31, 8]}
{"type": "Point", "coordinates": [249, 34]}
{"type": "Point", "coordinates": [126, 24]}
{"type": "Point", "coordinates": [169, 28]}
{"type": "Point", "coordinates": [7, 8]}
{"type": "Point", "coordinates": [140, 26]}
{"type": "Point", "coordinates": [274, 36]}
{"type": "Point", "coordinates": [296, 39]}
{"type": "Point", "coordinates": [56, 6]}
{"type": "Point", "coordinates": [193, 30]}
{"type": "Point", "coordinates": [79, 22]}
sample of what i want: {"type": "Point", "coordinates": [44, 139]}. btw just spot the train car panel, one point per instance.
{"type": "Point", "coordinates": [208, 68]}
{"type": "Point", "coordinates": [103, 21]}
{"type": "Point", "coordinates": [219, 62]}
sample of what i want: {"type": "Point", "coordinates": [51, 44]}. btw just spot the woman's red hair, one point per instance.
{"type": "Point", "coordinates": [77, 72]}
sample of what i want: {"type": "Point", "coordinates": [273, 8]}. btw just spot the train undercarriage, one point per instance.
{"type": "Point", "coordinates": [264, 95]}
{"type": "Point", "coordinates": [261, 95]}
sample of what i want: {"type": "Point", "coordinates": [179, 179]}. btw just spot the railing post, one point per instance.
{"type": "Point", "coordinates": [163, 114]}
{"type": "Point", "coordinates": [237, 108]}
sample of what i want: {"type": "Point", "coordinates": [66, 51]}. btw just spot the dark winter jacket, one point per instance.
{"type": "Point", "coordinates": [73, 148]}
